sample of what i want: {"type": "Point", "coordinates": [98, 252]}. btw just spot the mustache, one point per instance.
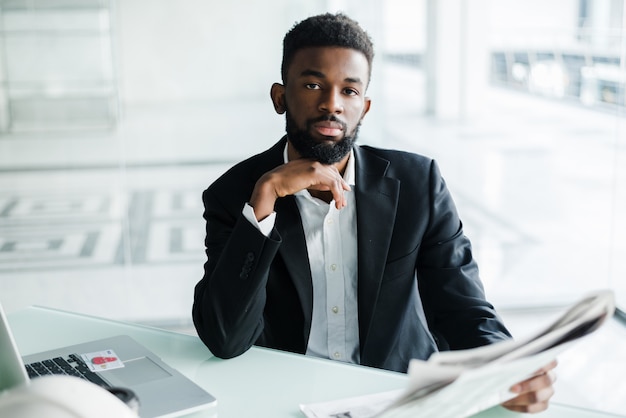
{"type": "Point", "coordinates": [327, 118]}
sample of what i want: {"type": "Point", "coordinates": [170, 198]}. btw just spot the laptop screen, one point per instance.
{"type": "Point", "coordinates": [12, 371]}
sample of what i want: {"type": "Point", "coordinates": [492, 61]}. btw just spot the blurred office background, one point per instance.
{"type": "Point", "coordinates": [116, 114]}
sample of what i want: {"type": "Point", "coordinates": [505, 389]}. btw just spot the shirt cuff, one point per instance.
{"type": "Point", "coordinates": [265, 226]}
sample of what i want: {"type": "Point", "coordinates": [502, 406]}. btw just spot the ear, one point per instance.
{"type": "Point", "coordinates": [366, 106]}
{"type": "Point", "coordinates": [277, 93]}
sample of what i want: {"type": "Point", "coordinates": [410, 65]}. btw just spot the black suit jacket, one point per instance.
{"type": "Point", "coordinates": [418, 285]}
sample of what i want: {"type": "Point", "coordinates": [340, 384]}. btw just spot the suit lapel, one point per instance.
{"type": "Point", "coordinates": [376, 202]}
{"type": "Point", "coordinates": [293, 248]}
{"type": "Point", "coordinates": [294, 253]}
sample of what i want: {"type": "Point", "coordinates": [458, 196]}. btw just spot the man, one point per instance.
{"type": "Point", "coordinates": [348, 252]}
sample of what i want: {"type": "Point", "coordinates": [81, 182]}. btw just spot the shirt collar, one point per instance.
{"type": "Point", "coordinates": [348, 175]}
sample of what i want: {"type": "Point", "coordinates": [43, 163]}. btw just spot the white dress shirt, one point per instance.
{"type": "Point", "coordinates": [331, 240]}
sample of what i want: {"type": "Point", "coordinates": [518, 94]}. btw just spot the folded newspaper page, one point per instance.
{"type": "Point", "coordinates": [457, 384]}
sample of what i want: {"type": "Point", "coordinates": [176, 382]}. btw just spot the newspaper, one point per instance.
{"type": "Point", "coordinates": [457, 384]}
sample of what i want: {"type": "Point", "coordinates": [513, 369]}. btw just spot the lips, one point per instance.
{"type": "Point", "coordinates": [328, 128]}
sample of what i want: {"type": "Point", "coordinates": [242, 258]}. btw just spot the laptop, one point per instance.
{"type": "Point", "coordinates": [118, 361]}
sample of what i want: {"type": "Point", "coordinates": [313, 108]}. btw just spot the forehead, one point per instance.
{"type": "Point", "coordinates": [330, 61]}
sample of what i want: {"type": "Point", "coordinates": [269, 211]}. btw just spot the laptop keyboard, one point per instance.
{"type": "Point", "coordinates": [72, 366]}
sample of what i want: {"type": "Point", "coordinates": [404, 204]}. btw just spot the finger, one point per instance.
{"type": "Point", "coordinates": [535, 383]}
{"type": "Point", "coordinates": [346, 188]}
{"type": "Point", "coordinates": [519, 387]}
{"type": "Point", "coordinates": [530, 402]}
{"type": "Point", "coordinates": [531, 409]}
{"type": "Point", "coordinates": [534, 396]}
{"type": "Point", "coordinates": [544, 377]}
{"type": "Point", "coordinates": [337, 187]}
{"type": "Point", "coordinates": [548, 367]}
{"type": "Point", "coordinates": [338, 193]}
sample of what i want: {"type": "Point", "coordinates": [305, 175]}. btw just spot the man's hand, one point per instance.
{"type": "Point", "coordinates": [533, 393]}
{"type": "Point", "coordinates": [292, 177]}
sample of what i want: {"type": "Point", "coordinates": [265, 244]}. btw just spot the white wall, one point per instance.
{"type": "Point", "coordinates": [199, 49]}
{"type": "Point", "coordinates": [204, 50]}
{"type": "Point", "coordinates": [533, 23]}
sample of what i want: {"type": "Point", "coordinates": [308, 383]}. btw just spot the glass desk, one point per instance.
{"type": "Point", "coordinates": [260, 383]}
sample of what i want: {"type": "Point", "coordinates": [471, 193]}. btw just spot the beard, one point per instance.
{"type": "Point", "coordinates": [323, 152]}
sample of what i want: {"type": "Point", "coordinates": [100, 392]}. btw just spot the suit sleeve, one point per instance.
{"type": "Point", "coordinates": [451, 290]}
{"type": "Point", "coordinates": [230, 299]}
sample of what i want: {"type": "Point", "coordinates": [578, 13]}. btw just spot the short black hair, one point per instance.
{"type": "Point", "coordinates": [326, 30]}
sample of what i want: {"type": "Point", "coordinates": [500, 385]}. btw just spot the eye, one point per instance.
{"type": "Point", "coordinates": [351, 92]}
{"type": "Point", "coordinates": [312, 86]}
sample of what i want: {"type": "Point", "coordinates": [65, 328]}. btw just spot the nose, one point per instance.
{"type": "Point", "coordinates": [331, 101]}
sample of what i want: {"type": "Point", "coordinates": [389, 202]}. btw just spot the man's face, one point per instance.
{"type": "Point", "coordinates": [324, 100]}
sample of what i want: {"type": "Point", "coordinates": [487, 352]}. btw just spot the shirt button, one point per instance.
{"type": "Point", "coordinates": [335, 309]}
{"type": "Point", "coordinates": [330, 221]}
{"type": "Point", "coordinates": [333, 267]}
{"type": "Point", "coordinates": [337, 354]}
